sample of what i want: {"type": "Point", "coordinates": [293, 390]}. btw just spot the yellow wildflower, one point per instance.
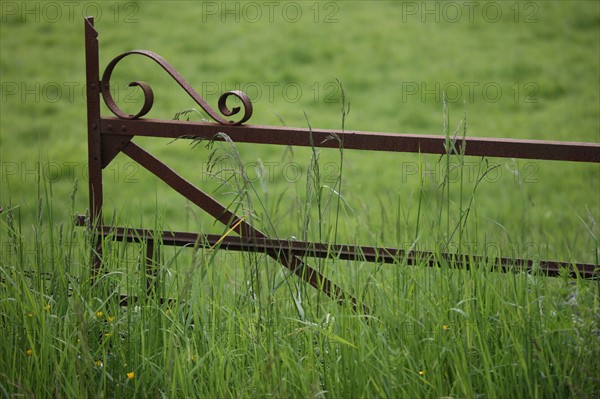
{"type": "Point", "coordinates": [130, 375]}
{"type": "Point", "coordinates": [29, 352]}
{"type": "Point", "coordinates": [99, 363]}
{"type": "Point", "coordinates": [47, 308]}
{"type": "Point", "coordinates": [110, 319]}
{"type": "Point", "coordinates": [446, 327]}
{"type": "Point", "coordinates": [422, 372]}
{"type": "Point", "coordinates": [99, 313]}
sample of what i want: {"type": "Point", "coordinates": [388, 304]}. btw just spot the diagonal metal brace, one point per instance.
{"type": "Point", "coordinates": [239, 226]}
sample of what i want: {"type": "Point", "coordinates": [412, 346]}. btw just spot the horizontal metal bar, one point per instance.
{"type": "Point", "coordinates": [374, 141]}
{"type": "Point", "coordinates": [347, 252]}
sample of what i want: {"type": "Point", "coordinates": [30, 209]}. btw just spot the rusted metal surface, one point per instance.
{"type": "Point", "coordinates": [93, 117]}
{"type": "Point", "coordinates": [374, 141]}
{"type": "Point", "coordinates": [304, 249]}
{"type": "Point", "coordinates": [94, 136]}
{"type": "Point", "coordinates": [149, 96]}
{"type": "Point", "coordinates": [109, 136]}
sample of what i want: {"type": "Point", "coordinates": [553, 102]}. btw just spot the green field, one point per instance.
{"type": "Point", "coordinates": [243, 326]}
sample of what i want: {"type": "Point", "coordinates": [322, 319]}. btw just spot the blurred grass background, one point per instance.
{"type": "Point", "coordinates": [522, 69]}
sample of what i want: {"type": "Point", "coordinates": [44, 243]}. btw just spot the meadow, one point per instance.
{"type": "Point", "coordinates": [242, 326]}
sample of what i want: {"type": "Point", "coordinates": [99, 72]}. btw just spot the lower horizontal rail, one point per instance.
{"type": "Point", "coordinates": [349, 252]}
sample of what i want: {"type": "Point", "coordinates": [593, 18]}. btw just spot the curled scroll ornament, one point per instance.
{"type": "Point", "coordinates": [149, 95]}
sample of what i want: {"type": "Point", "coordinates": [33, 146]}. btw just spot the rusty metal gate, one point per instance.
{"type": "Point", "coordinates": [109, 136]}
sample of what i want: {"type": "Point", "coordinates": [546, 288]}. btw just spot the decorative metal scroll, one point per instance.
{"type": "Point", "coordinates": [109, 136]}
{"type": "Point", "coordinates": [149, 96]}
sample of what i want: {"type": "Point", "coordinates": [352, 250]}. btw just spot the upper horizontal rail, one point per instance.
{"type": "Point", "coordinates": [374, 141]}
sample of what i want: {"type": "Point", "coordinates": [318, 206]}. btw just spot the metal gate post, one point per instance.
{"type": "Point", "coordinates": [94, 141]}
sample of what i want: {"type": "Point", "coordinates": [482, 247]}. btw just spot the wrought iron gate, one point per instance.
{"type": "Point", "coordinates": [109, 136]}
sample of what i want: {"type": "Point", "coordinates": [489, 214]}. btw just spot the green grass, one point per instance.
{"type": "Point", "coordinates": [241, 326]}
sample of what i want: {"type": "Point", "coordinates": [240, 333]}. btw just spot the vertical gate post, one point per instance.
{"type": "Point", "coordinates": [94, 140]}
